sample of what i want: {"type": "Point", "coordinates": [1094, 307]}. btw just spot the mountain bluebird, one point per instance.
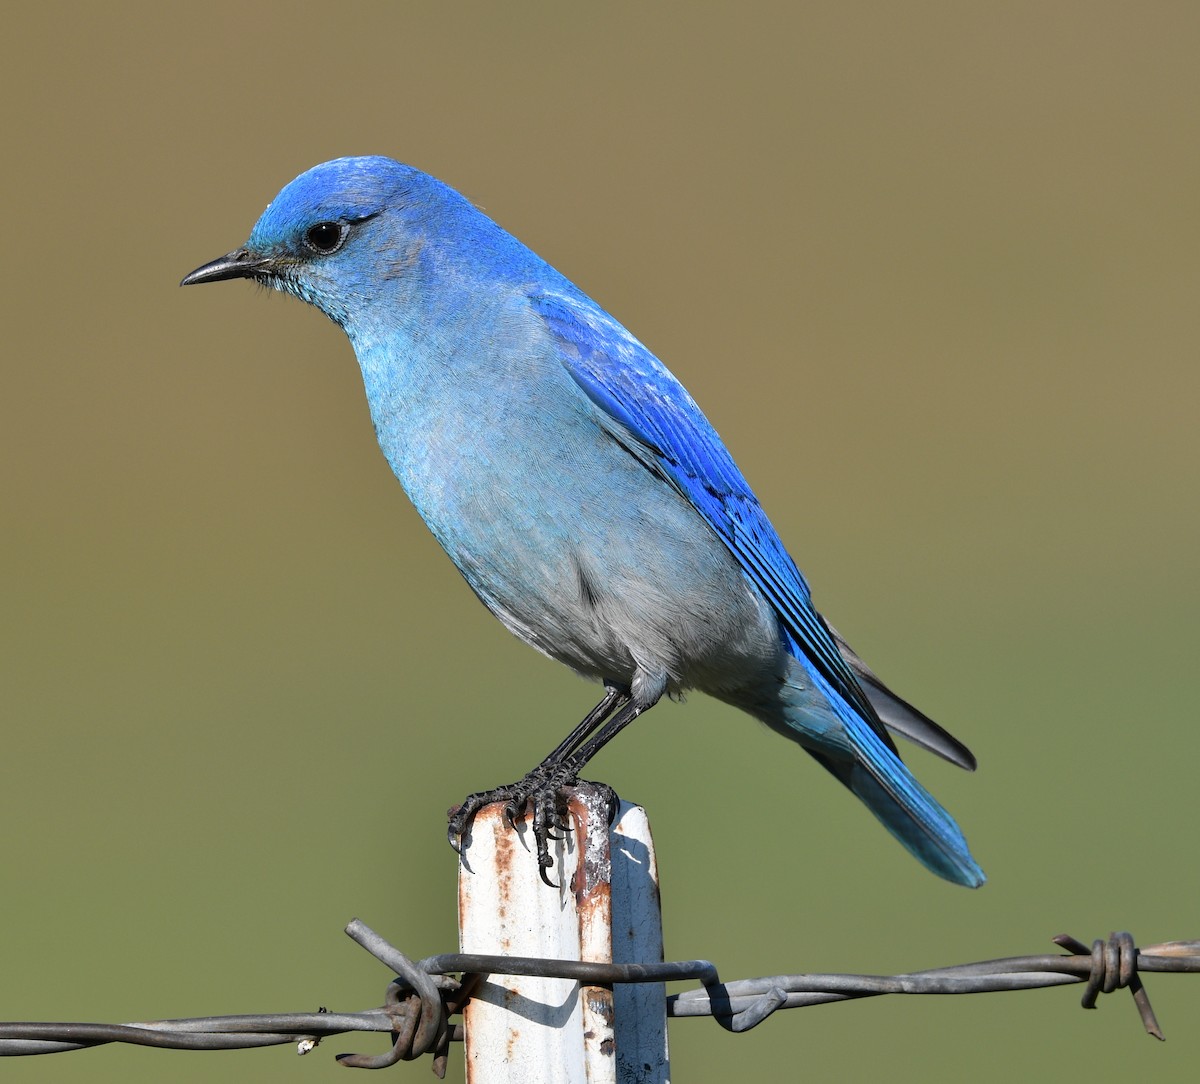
{"type": "Point", "coordinates": [580, 491]}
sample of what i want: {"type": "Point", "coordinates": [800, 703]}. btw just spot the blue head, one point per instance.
{"type": "Point", "coordinates": [356, 231]}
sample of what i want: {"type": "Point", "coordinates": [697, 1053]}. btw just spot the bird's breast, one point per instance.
{"type": "Point", "coordinates": [568, 539]}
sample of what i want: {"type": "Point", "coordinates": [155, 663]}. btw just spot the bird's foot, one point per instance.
{"type": "Point", "coordinates": [543, 791]}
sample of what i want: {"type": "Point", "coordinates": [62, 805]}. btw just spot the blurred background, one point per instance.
{"type": "Point", "coordinates": [932, 271]}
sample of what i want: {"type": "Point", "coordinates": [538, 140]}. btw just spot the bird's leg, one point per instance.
{"type": "Point", "coordinates": [603, 735]}
{"type": "Point", "coordinates": [614, 698]}
{"type": "Point", "coordinates": [544, 786]}
{"type": "Point", "coordinates": [541, 788]}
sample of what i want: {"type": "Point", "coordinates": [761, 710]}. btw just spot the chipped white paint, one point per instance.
{"type": "Point", "coordinates": [528, 1030]}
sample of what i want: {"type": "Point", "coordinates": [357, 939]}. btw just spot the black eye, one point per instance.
{"type": "Point", "coordinates": [325, 237]}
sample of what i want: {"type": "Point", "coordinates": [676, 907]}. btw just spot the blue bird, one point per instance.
{"type": "Point", "coordinates": [579, 490]}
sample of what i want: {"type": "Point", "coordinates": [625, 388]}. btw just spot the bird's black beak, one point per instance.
{"type": "Point", "coordinates": [238, 264]}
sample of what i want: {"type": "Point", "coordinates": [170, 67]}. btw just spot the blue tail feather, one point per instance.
{"type": "Point", "coordinates": [863, 761]}
{"type": "Point", "coordinates": [906, 809]}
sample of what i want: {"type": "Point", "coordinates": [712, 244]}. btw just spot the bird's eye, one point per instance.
{"type": "Point", "coordinates": [325, 237]}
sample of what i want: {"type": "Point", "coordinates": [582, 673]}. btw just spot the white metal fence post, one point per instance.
{"type": "Point", "coordinates": [606, 909]}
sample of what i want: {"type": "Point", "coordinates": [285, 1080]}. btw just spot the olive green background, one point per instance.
{"type": "Point", "coordinates": [931, 268]}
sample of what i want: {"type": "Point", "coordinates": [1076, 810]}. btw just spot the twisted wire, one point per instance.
{"type": "Point", "coordinates": [424, 995]}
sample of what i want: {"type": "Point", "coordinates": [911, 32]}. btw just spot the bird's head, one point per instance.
{"type": "Point", "coordinates": [338, 234]}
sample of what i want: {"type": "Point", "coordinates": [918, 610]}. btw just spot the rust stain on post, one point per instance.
{"type": "Point", "coordinates": [592, 888]}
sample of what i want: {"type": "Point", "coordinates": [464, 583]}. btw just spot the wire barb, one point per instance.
{"type": "Point", "coordinates": [1114, 967]}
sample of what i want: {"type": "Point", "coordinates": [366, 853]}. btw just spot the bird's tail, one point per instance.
{"type": "Point", "coordinates": [857, 756]}
{"type": "Point", "coordinates": [907, 810]}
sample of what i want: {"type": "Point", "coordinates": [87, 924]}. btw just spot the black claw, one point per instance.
{"type": "Point", "coordinates": [539, 794]}
{"type": "Point", "coordinates": [456, 829]}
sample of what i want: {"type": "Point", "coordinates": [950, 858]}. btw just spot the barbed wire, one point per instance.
{"type": "Point", "coordinates": [424, 996]}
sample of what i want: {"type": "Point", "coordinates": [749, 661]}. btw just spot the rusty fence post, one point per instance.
{"type": "Point", "coordinates": [606, 909]}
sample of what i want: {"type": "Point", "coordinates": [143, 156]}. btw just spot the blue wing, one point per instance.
{"type": "Point", "coordinates": [674, 439]}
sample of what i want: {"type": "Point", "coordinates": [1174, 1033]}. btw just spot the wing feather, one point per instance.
{"type": "Point", "coordinates": [646, 404]}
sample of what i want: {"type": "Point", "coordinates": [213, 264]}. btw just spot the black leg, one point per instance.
{"type": "Point", "coordinates": [614, 698]}
{"type": "Point", "coordinates": [541, 788]}
{"type": "Point", "coordinates": [607, 731]}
